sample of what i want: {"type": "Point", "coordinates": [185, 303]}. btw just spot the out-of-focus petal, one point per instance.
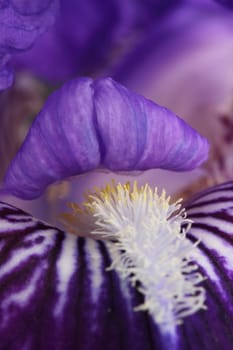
{"type": "Point", "coordinates": [21, 23]}
{"type": "Point", "coordinates": [18, 106]}
{"type": "Point", "coordinates": [86, 125]}
{"type": "Point", "coordinates": [89, 35]}
{"type": "Point", "coordinates": [227, 3]}
{"type": "Point", "coordinates": [192, 42]}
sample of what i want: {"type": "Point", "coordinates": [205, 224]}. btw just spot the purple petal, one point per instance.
{"type": "Point", "coordinates": [27, 7]}
{"type": "Point", "coordinates": [87, 124]}
{"type": "Point", "coordinates": [191, 42]}
{"type": "Point", "coordinates": [21, 22]}
{"type": "Point", "coordinates": [212, 213]}
{"type": "Point", "coordinates": [56, 293]}
{"type": "Point", "coordinates": [85, 34]}
{"type": "Point", "coordinates": [226, 3]}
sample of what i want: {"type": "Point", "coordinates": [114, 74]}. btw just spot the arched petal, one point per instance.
{"type": "Point", "coordinates": [89, 124]}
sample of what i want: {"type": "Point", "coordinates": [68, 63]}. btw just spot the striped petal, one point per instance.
{"type": "Point", "coordinates": [87, 124]}
{"type": "Point", "coordinates": [55, 292]}
{"type": "Point", "coordinates": [212, 213]}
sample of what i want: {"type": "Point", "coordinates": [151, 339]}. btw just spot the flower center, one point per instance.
{"type": "Point", "coordinates": [146, 235]}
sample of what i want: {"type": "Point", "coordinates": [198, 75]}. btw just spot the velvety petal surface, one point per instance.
{"type": "Point", "coordinates": [89, 124]}
{"type": "Point", "coordinates": [55, 290]}
{"type": "Point", "coordinates": [21, 22]}
{"type": "Point", "coordinates": [212, 213]}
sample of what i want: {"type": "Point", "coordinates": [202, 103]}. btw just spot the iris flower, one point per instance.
{"type": "Point", "coordinates": [131, 270]}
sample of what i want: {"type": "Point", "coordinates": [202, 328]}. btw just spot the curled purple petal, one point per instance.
{"type": "Point", "coordinates": [86, 125]}
{"type": "Point", "coordinates": [21, 22]}
{"type": "Point", "coordinates": [139, 134]}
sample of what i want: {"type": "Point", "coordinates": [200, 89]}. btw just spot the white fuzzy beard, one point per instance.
{"type": "Point", "coordinates": [149, 246]}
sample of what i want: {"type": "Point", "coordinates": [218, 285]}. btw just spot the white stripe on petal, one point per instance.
{"type": "Point", "coordinates": [212, 223]}
{"type": "Point", "coordinates": [7, 225]}
{"type": "Point", "coordinates": [20, 298]}
{"type": "Point", "coordinates": [216, 195]}
{"type": "Point", "coordinates": [65, 267]}
{"type": "Point", "coordinates": [22, 254]}
{"type": "Point", "coordinates": [95, 267]}
{"type": "Point", "coordinates": [211, 208]}
{"type": "Point", "coordinates": [204, 261]}
{"type": "Point", "coordinates": [217, 243]}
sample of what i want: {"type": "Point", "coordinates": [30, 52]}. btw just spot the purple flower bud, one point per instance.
{"type": "Point", "coordinates": [90, 124]}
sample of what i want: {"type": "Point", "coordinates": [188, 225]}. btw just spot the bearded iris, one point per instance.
{"type": "Point", "coordinates": [155, 280]}
{"type": "Point", "coordinates": [150, 247]}
{"type": "Point", "coordinates": [137, 271]}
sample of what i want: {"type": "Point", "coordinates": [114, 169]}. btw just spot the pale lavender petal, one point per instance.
{"type": "Point", "coordinates": [89, 124]}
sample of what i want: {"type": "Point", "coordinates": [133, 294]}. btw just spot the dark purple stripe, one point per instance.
{"type": "Point", "coordinates": [45, 335]}
{"type": "Point", "coordinates": [214, 231]}
{"type": "Point", "coordinates": [227, 187]}
{"type": "Point", "coordinates": [223, 216]}
{"type": "Point", "coordinates": [223, 200]}
{"type": "Point", "coordinates": [225, 315]}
